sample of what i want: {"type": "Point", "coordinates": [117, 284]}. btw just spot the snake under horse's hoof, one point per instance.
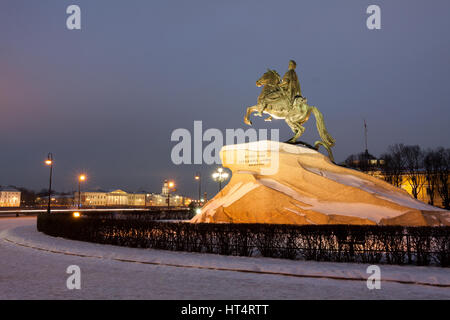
{"type": "Point", "coordinates": [316, 147]}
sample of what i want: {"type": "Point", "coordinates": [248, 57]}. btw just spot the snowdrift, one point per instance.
{"type": "Point", "coordinates": [274, 182]}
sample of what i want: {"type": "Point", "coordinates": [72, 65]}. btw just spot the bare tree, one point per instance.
{"type": "Point", "coordinates": [431, 167]}
{"type": "Point", "coordinates": [387, 168]}
{"type": "Point", "coordinates": [351, 161]}
{"type": "Point", "coordinates": [414, 164]}
{"type": "Point", "coordinates": [365, 164]}
{"type": "Point", "coordinates": [443, 169]}
{"type": "Point", "coordinates": [394, 164]}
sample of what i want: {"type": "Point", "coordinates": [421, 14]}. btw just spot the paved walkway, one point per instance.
{"type": "Point", "coordinates": [30, 273]}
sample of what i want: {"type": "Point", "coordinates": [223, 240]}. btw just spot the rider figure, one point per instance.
{"type": "Point", "coordinates": [290, 83]}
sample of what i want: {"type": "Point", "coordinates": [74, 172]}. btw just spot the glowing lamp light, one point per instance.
{"type": "Point", "coordinates": [220, 176]}
{"type": "Point", "coordinates": [76, 214]}
{"type": "Point", "coordinates": [171, 184]}
{"type": "Point", "coordinates": [82, 177]}
{"type": "Point", "coordinates": [198, 211]}
{"type": "Point", "coordinates": [48, 162]}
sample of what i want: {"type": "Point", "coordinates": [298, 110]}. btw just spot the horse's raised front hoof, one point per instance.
{"type": "Point", "coordinates": [246, 121]}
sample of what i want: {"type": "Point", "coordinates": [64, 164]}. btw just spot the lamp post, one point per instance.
{"type": "Point", "coordinates": [49, 162]}
{"type": "Point", "coordinates": [170, 185]}
{"type": "Point", "coordinates": [220, 176]}
{"type": "Point", "coordinates": [81, 178]}
{"type": "Point", "coordinates": [198, 177]}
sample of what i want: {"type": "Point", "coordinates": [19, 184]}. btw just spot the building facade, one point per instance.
{"type": "Point", "coordinates": [120, 198]}
{"type": "Point", "coordinates": [9, 197]}
{"type": "Point", "coordinates": [424, 192]}
{"type": "Point", "coordinates": [413, 183]}
{"type": "Point", "coordinates": [162, 200]}
{"type": "Point", "coordinates": [115, 198]}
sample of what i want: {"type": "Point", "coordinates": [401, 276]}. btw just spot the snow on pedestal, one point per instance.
{"type": "Point", "coordinates": [275, 182]}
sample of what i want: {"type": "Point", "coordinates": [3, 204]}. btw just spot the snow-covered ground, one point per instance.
{"type": "Point", "coordinates": [33, 266]}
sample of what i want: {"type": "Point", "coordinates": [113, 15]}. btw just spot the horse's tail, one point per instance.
{"type": "Point", "coordinates": [324, 135]}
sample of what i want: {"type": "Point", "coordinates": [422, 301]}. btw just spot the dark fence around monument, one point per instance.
{"type": "Point", "coordinates": [336, 243]}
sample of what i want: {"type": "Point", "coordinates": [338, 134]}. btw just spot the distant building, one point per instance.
{"type": "Point", "coordinates": [92, 198]}
{"type": "Point", "coordinates": [61, 200]}
{"type": "Point", "coordinates": [423, 190]}
{"type": "Point", "coordinates": [9, 197]}
{"type": "Point", "coordinates": [165, 188]}
{"type": "Point", "coordinates": [369, 164]}
{"type": "Point", "coordinates": [161, 200]}
{"type": "Point", "coordinates": [114, 198]}
{"type": "Point", "coordinates": [136, 199]}
{"type": "Point", "coordinates": [156, 200]}
{"type": "Point", "coordinates": [363, 161]}
{"type": "Point", "coordinates": [119, 198]}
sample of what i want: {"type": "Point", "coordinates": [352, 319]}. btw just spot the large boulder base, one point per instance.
{"type": "Point", "coordinates": [307, 188]}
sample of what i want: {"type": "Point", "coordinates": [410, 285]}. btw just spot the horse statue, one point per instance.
{"type": "Point", "coordinates": [274, 101]}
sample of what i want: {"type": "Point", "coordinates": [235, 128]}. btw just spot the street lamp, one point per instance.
{"type": "Point", "coordinates": [81, 178]}
{"type": "Point", "coordinates": [198, 177]}
{"type": "Point", "coordinates": [220, 176]}
{"type": "Point", "coordinates": [170, 185]}
{"type": "Point", "coordinates": [49, 162]}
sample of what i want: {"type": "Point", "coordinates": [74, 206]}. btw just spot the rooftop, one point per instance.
{"type": "Point", "coordinates": [9, 188]}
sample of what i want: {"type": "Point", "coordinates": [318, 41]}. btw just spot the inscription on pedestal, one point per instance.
{"type": "Point", "coordinates": [256, 158]}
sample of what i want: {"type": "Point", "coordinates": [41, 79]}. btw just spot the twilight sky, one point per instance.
{"type": "Point", "coordinates": [104, 100]}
